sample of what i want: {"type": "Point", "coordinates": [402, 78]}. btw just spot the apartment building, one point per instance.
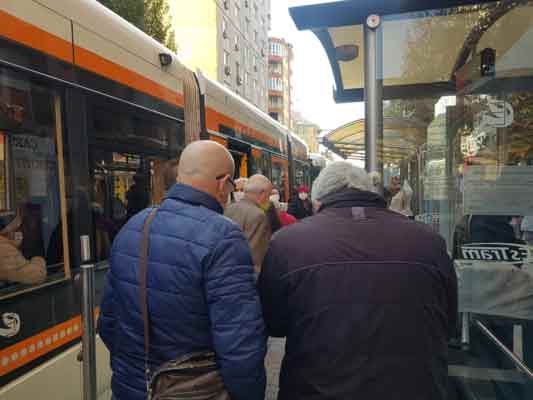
{"type": "Point", "coordinates": [310, 134]}
{"type": "Point", "coordinates": [228, 41]}
{"type": "Point", "coordinates": [280, 58]}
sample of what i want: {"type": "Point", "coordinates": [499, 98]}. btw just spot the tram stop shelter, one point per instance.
{"type": "Point", "coordinates": [448, 93]}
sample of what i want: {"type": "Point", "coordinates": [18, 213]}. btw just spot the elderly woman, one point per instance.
{"type": "Point", "coordinates": [238, 194]}
{"type": "Point", "coordinates": [364, 286]}
{"type": "Point", "coordinates": [14, 267]}
{"type": "Point", "coordinates": [281, 217]}
{"type": "Point", "coordinates": [301, 207]}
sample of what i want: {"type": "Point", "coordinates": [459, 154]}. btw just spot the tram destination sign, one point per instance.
{"type": "Point", "coordinates": [496, 252]}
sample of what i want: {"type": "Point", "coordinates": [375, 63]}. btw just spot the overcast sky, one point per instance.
{"type": "Point", "coordinates": [312, 80]}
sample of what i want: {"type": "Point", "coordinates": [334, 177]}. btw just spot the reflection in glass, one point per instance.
{"type": "Point", "coordinates": [31, 239]}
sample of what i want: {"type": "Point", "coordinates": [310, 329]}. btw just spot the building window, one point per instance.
{"type": "Point", "coordinates": [226, 4]}
{"type": "Point", "coordinates": [237, 12]}
{"type": "Point", "coordinates": [276, 49]}
{"type": "Point", "coordinates": [238, 76]}
{"type": "Point", "coordinates": [275, 68]}
{"type": "Point", "coordinates": [275, 101]}
{"type": "Point", "coordinates": [226, 58]}
{"type": "Point", "coordinates": [275, 84]}
{"type": "Point", "coordinates": [224, 28]}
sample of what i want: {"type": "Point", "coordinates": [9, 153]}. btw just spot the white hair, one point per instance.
{"type": "Point", "coordinates": [337, 176]}
{"type": "Point", "coordinates": [256, 184]}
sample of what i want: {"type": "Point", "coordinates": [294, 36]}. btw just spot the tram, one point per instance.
{"type": "Point", "coordinates": [91, 111]}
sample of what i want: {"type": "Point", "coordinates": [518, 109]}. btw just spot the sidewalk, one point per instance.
{"type": "Point", "coordinates": [276, 349]}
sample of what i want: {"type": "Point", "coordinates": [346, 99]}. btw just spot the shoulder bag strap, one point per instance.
{"type": "Point", "coordinates": [143, 270]}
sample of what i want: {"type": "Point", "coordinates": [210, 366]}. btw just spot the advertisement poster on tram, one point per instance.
{"type": "Point", "coordinates": [34, 165]}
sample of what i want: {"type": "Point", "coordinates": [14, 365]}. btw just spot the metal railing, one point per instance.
{"type": "Point", "coordinates": [508, 353]}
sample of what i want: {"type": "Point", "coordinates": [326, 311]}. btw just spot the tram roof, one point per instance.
{"type": "Point", "coordinates": [424, 43]}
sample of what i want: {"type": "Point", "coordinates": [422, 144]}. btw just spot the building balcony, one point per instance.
{"type": "Point", "coordinates": [274, 58]}
{"type": "Point", "coordinates": [275, 108]}
{"type": "Point", "coordinates": [275, 93]}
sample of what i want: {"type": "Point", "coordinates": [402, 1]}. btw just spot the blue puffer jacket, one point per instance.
{"type": "Point", "coordinates": [201, 296]}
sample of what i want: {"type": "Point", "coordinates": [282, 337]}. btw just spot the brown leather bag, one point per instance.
{"type": "Point", "coordinates": [191, 377]}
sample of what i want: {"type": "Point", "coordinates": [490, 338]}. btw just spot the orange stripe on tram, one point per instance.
{"type": "Point", "coordinates": [29, 35]}
{"type": "Point", "coordinates": [20, 31]}
{"type": "Point", "coordinates": [101, 66]}
{"type": "Point", "coordinates": [28, 350]}
{"type": "Point", "coordinates": [214, 119]}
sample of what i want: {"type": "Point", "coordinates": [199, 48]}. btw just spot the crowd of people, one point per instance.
{"type": "Point", "coordinates": [365, 297]}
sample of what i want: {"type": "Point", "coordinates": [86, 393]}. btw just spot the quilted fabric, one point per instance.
{"type": "Point", "coordinates": [201, 296]}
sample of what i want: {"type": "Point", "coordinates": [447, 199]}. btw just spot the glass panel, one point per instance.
{"type": "Point", "coordinates": [4, 194]}
{"type": "Point", "coordinates": [427, 46]}
{"type": "Point", "coordinates": [31, 235]}
{"type": "Point", "coordinates": [463, 164]}
{"type": "Point", "coordinates": [131, 171]}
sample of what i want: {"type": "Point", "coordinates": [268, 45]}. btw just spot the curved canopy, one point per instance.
{"type": "Point", "coordinates": [401, 139]}
{"type": "Point", "coordinates": [423, 44]}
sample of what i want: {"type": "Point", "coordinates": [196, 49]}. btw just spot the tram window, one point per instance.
{"type": "Point", "coordinates": [129, 156]}
{"type": "Point", "coordinates": [30, 207]}
{"type": "Point", "coordinates": [279, 178]}
{"type": "Point", "coordinates": [128, 128]}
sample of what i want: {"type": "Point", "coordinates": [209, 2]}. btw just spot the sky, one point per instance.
{"type": "Point", "coordinates": [312, 79]}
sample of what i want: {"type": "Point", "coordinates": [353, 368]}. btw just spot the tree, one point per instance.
{"type": "Point", "coordinates": [151, 16]}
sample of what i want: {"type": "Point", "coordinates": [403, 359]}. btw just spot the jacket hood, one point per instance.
{"type": "Point", "coordinates": [348, 198]}
{"type": "Point", "coordinates": [190, 195]}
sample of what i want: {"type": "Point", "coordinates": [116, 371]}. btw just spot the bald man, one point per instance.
{"type": "Point", "coordinates": [201, 292]}
{"type": "Point", "coordinates": [250, 215]}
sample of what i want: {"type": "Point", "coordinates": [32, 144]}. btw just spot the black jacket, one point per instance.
{"type": "Point", "coordinates": [366, 298]}
{"type": "Point", "coordinates": [300, 209]}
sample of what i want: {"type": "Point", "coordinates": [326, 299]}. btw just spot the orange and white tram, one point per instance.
{"type": "Point", "coordinates": [87, 109]}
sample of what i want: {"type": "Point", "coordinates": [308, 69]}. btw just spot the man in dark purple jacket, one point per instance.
{"type": "Point", "coordinates": [366, 298]}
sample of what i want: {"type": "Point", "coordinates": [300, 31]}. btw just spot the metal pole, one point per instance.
{"type": "Point", "coordinates": [373, 97]}
{"type": "Point", "coordinates": [89, 333]}
{"type": "Point", "coordinates": [510, 355]}
{"type": "Point", "coordinates": [465, 329]}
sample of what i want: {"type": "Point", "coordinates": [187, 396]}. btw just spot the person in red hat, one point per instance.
{"type": "Point", "coordinates": [300, 206]}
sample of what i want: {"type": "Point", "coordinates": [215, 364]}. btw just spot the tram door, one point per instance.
{"type": "Point", "coordinates": [123, 185]}
{"type": "Point", "coordinates": [128, 151]}
{"type": "Point", "coordinates": [241, 156]}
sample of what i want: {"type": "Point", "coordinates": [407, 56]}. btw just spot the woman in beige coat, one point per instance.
{"type": "Point", "coordinates": [14, 267]}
